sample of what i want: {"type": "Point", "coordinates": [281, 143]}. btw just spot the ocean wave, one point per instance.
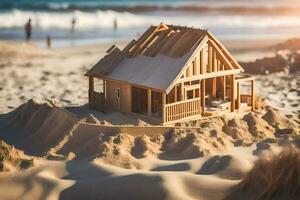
{"type": "Point", "coordinates": [228, 6]}
{"type": "Point", "coordinates": [104, 19]}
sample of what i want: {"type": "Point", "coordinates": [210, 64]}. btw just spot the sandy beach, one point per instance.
{"type": "Point", "coordinates": [68, 154]}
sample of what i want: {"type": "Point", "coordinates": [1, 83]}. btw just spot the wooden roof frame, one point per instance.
{"type": "Point", "coordinates": [209, 38]}
{"type": "Point", "coordinates": [135, 47]}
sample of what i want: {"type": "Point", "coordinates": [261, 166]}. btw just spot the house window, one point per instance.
{"type": "Point", "coordinates": [118, 93]}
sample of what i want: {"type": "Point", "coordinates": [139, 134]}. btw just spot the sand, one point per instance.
{"type": "Point", "coordinates": [77, 153]}
{"type": "Point", "coordinates": [73, 159]}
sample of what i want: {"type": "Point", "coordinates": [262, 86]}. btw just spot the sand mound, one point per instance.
{"type": "Point", "coordinates": [36, 127]}
{"type": "Point", "coordinates": [11, 158]}
{"type": "Point", "coordinates": [280, 182]}
{"type": "Point", "coordinates": [280, 122]}
{"type": "Point", "coordinates": [44, 129]}
{"type": "Point", "coordinates": [258, 127]}
{"type": "Point", "coordinates": [239, 131]}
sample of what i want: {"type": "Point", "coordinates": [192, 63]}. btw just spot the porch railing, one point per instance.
{"type": "Point", "coordinates": [181, 110]}
{"type": "Point", "coordinates": [96, 100]}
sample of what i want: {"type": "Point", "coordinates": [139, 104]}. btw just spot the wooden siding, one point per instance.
{"type": "Point", "coordinates": [96, 100]}
{"type": "Point", "coordinates": [124, 102]}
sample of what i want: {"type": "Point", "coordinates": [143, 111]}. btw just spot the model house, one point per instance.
{"type": "Point", "coordinates": [172, 74]}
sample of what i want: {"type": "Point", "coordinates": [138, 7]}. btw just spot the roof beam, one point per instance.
{"type": "Point", "coordinates": [203, 41]}
{"type": "Point", "coordinates": [209, 75]}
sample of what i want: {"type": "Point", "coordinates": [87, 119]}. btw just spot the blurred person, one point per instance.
{"type": "Point", "coordinates": [48, 41]}
{"type": "Point", "coordinates": [73, 22]}
{"type": "Point", "coordinates": [115, 24]}
{"type": "Point", "coordinates": [28, 29]}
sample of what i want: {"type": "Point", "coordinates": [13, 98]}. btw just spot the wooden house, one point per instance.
{"type": "Point", "coordinates": [170, 73]}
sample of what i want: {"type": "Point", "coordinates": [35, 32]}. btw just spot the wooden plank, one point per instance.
{"type": "Point", "coordinates": [104, 90]}
{"type": "Point", "coordinates": [149, 102]}
{"type": "Point", "coordinates": [164, 107]}
{"type": "Point", "coordinates": [175, 93]}
{"type": "Point", "coordinates": [226, 52]}
{"type": "Point", "coordinates": [209, 75]}
{"type": "Point", "coordinates": [214, 87]}
{"type": "Point", "coordinates": [224, 87]}
{"type": "Point", "coordinates": [253, 94]}
{"type": "Point", "coordinates": [232, 89]}
{"type": "Point", "coordinates": [91, 83]}
{"type": "Point", "coordinates": [220, 54]}
{"type": "Point", "coordinates": [202, 63]}
{"type": "Point", "coordinates": [196, 51]}
{"type": "Point", "coordinates": [130, 98]}
{"type": "Point", "coordinates": [197, 64]}
{"type": "Point", "coordinates": [203, 96]}
{"type": "Point", "coordinates": [209, 59]}
{"type": "Point", "coordinates": [238, 96]}
{"type": "Point", "coordinates": [129, 47]}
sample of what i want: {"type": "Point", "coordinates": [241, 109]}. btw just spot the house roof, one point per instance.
{"type": "Point", "coordinates": [156, 58]}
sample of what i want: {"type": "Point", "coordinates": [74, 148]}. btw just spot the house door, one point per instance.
{"type": "Point", "coordinates": [139, 100]}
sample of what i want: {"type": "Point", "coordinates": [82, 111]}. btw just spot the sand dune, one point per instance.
{"type": "Point", "coordinates": [83, 161]}
{"type": "Point", "coordinates": [43, 129]}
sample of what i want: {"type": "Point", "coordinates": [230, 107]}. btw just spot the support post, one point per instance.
{"type": "Point", "coordinates": [163, 108]}
{"type": "Point", "coordinates": [232, 91]}
{"type": "Point", "coordinates": [210, 59]}
{"type": "Point", "coordinates": [130, 99]}
{"type": "Point", "coordinates": [203, 96]}
{"type": "Point", "coordinates": [91, 83]}
{"type": "Point", "coordinates": [214, 87]}
{"type": "Point", "coordinates": [182, 92]}
{"type": "Point", "coordinates": [149, 102]}
{"type": "Point", "coordinates": [175, 95]}
{"type": "Point", "coordinates": [224, 87]}
{"type": "Point", "coordinates": [238, 96]}
{"type": "Point", "coordinates": [104, 91]}
{"type": "Point", "coordinates": [202, 62]}
{"type": "Point", "coordinates": [253, 94]}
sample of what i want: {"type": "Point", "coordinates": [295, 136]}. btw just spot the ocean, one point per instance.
{"type": "Point", "coordinates": [228, 19]}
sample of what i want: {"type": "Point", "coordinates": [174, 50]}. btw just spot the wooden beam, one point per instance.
{"type": "Point", "coordinates": [253, 94]}
{"type": "Point", "coordinates": [244, 79]}
{"type": "Point", "coordinates": [182, 91]}
{"type": "Point", "coordinates": [175, 93]}
{"type": "Point", "coordinates": [163, 108]}
{"type": "Point", "coordinates": [220, 53]}
{"type": "Point", "coordinates": [232, 90]}
{"type": "Point", "coordinates": [104, 90]}
{"type": "Point", "coordinates": [195, 51]}
{"type": "Point", "coordinates": [202, 63]}
{"type": "Point", "coordinates": [214, 87]}
{"type": "Point", "coordinates": [130, 98]}
{"type": "Point", "coordinates": [209, 75]}
{"type": "Point", "coordinates": [149, 102]}
{"type": "Point", "coordinates": [210, 58]}
{"type": "Point", "coordinates": [203, 96]}
{"type": "Point", "coordinates": [224, 87]}
{"type": "Point", "coordinates": [91, 83]}
{"type": "Point", "coordinates": [238, 96]}
{"type": "Point", "coordinates": [226, 52]}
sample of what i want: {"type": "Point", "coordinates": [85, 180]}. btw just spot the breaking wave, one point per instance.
{"type": "Point", "coordinates": [104, 19]}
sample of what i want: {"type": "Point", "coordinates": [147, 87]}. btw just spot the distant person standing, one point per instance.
{"type": "Point", "coordinates": [73, 22]}
{"type": "Point", "coordinates": [28, 29]}
{"type": "Point", "coordinates": [48, 41]}
{"type": "Point", "coordinates": [115, 24]}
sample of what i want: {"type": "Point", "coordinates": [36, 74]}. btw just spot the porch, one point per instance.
{"type": "Point", "coordinates": [189, 100]}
